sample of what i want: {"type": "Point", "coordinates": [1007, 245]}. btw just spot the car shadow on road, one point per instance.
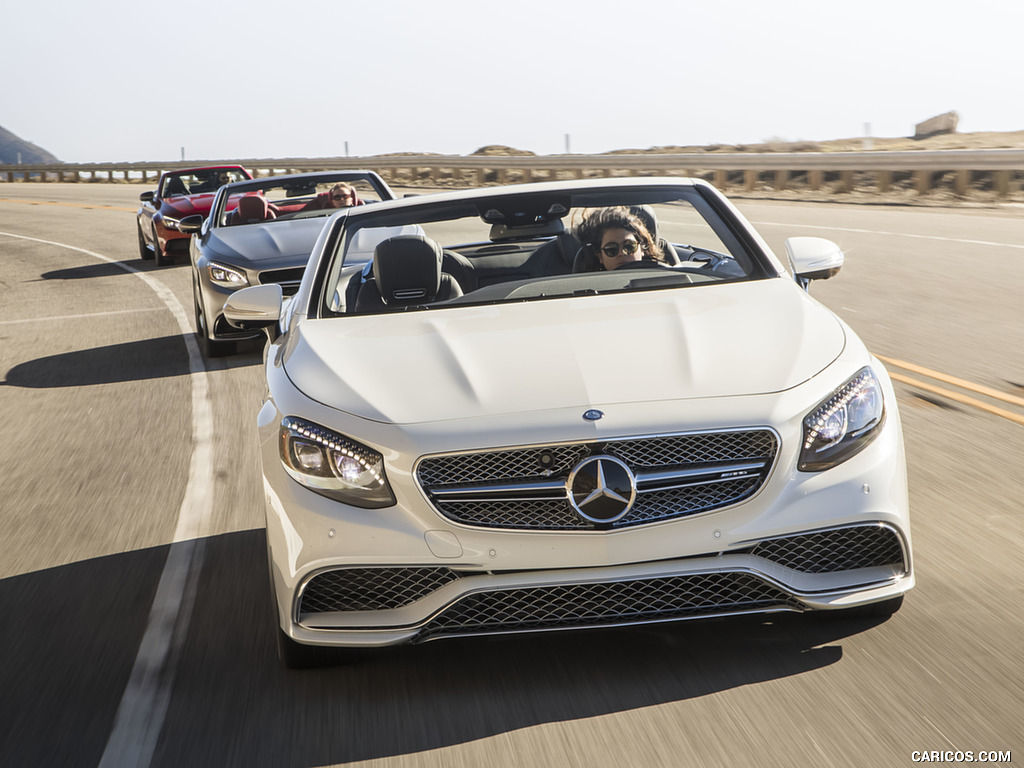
{"type": "Point", "coordinates": [71, 633]}
{"type": "Point", "coordinates": [235, 704]}
{"type": "Point", "coordinates": [89, 271]}
{"type": "Point", "coordinates": [163, 357]}
{"type": "Point", "coordinates": [68, 640]}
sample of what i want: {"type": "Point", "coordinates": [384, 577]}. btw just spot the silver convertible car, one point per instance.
{"type": "Point", "coordinates": [260, 232]}
{"type": "Point", "coordinates": [568, 405]}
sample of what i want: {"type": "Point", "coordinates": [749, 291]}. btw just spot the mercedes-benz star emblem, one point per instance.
{"type": "Point", "coordinates": [601, 489]}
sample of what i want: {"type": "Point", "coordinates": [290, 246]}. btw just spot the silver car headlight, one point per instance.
{"type": "Point", "coordinates": [844, 424]}
{"type": "Point", "coordinates": [226, 277]}
{"type": "Point", "coordinates": [333, 465]}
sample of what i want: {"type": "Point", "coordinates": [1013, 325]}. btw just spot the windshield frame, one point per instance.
{"type": "Point", "coordinates": [742, 244]}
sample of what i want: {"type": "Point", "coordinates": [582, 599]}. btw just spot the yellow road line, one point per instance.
{"type": "Point", "coordinates": [994, 410]}
{"type": "Point", "coordinates": [962, 383]}
{"type": "Point", "coordinates": [67, 205]}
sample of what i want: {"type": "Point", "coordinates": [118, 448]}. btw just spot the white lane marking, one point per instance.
{"type": "Point", "coordinates": [890, 234]}
{"type": "Point", "coordinates": [62, 318]}
{"type": "Point", "coordinates": [143, 707]}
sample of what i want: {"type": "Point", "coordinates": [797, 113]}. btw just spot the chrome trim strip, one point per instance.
{"type": "Point", "coordinates": [550, 489]}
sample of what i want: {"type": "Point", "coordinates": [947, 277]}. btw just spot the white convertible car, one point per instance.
{"type": "Point", "coordinates": [568, 405]}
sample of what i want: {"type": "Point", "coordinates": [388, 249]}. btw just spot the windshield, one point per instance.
{"type": "Point", "coordinates": [282, 198]}
{"type": "Point", "coordinates": [206, 181]}
{"type": "Point", "coordinates": [525, 247]}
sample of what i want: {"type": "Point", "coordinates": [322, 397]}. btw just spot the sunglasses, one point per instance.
{"type": "Point", "coordinates": [630, 247]}
{"type": "Point", "coordinates": [341, 197]}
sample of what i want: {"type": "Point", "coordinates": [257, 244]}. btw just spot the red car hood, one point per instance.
{"type": "Point", "coordinates": [187, 206]}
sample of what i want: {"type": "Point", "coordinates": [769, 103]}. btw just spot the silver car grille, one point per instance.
{"type": "Point", "coordinates": [289, 278]}
{"type": "Point", "coordinates": [526, 488]}
{"type": "Point", "coordinates": [827, 551]}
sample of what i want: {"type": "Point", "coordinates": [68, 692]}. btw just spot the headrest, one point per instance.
{"type": "Point", "coordinates": [407, 269]}
{"type": "Point", "coordinates": [646, 214]}
{"type": "Point", "coordinates": [252, 208]}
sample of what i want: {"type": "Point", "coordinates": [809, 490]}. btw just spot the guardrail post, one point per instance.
{"type": "Point", "coordinates": [1002, 183]}
{"type": "Point", "coordinates": [749, 180]}
{"type": "Point", "coordinates": [963, 181]}
{"type": "Point", "coordinates": [846, 181]}
{"type": "Point", "coordinates": [721, 179]}
{"type": "Point", "coordinates": [884, 181]}
{"type": "Point", "coordinates": [781, 178]}
{"type": "Point", "coordinates": [924, 181]}
{"type": "Point", "coordinates": [814, 178]}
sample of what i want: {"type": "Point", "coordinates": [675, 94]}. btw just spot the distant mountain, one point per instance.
{"type": "Point", "coordinates": [11, 146]}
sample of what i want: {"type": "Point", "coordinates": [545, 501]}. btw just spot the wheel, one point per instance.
{"type": "Point", "coordinates": [882, 610]}
{"type": "Point", "coordinates": [209, 347]}
{"type": "Point", "coordinates": [298, 656]}
{"type": "Point", "coordinates": [159, 257]}
{"type": "Point", "coordinates": [144, 253]}
{"type": "Point", "coordinates": [295, 655]}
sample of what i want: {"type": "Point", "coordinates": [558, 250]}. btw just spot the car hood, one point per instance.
{"type": "Point", "coordinates": [700, 342]}
{"type": "Point", "coordinates": [188, 206]}
{"type": "Point", "coordinates": [261, 246]}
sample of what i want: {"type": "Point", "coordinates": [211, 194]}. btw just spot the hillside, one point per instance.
{"type": "Point", "coordinates": [11, 146]}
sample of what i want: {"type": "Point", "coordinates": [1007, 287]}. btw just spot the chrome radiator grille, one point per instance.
{"type": "Point", "coordinates": [288, 278]}
{"type": "Point", "coordinates": [527, 488]}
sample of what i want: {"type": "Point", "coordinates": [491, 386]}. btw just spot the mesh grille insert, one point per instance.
{"type": "Point", "coordinates": [593, 605]}
{"type": "Point", "coordinates": [501, 504]}
{"type": "Point", "coordinates": [841, 549]}
{"type": "Point", "coordinates": [371, 589]}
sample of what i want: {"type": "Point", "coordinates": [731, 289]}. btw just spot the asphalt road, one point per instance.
{"type": "Point", "coordinates": [98, 386]}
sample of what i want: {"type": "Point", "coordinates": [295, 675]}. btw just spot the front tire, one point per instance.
{"type": "Point", "coordinates": [882, 610]}
{"type": "Point", "coordinates": [209, 347]}
{"type": "Point", "coordinates": [298, 656]}
{"type": "Point", "coordinates": [144, 253]}
{"type": "Point", "coordinates": [159, 256]}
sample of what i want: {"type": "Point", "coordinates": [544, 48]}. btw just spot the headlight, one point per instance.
{"type": "Point", "coordinates": [170, 223]}
{"type": "Point", "coordinates": [226, 277]}
{"type": "Point", "coordinates": [843, 425]}
{"type": "Point", "coordinates": [334, 466]}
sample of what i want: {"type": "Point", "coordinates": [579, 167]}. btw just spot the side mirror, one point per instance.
{"type": "Point", "coordinates": [813, 258]}
{"type": "Point", "coordinates": [147, 197]}
{"type": "Point", "coordinates": [257, 307]}
{"type": "Point", "coordinates": [191, 225]}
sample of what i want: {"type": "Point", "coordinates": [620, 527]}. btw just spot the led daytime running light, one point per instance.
{"type": "Point", "coordinates": [334, 443]}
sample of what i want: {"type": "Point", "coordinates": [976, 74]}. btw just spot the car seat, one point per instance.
{"type": "Point", "coordinates": [175, 186]}
{"type": "Point", "coordinates": [406, 272]}
{"type": "Point", "coordinates": [646, 214]}
{"type": "Point", "coordinates": [252, 209]}
{"type": "Point", "coordinates": [555, 257]}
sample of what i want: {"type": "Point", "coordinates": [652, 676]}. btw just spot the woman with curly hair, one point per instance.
{"type": "Point", "coordinates": [612, 237]}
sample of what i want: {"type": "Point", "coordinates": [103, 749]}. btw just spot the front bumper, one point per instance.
{"type": "Point", "coordinates": [804, 541]}
{"type": "Point", "coordinates": [383, 606]}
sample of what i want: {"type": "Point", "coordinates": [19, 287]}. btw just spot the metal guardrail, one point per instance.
{"type": "Point", "coordinates": [1002, 164]}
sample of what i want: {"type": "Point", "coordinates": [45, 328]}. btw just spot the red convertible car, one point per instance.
{"type": "Point", "coordinates": [179, 194]}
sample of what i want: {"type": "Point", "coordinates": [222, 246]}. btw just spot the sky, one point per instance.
{"type": "Point", "coordinates": [124, 80]}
